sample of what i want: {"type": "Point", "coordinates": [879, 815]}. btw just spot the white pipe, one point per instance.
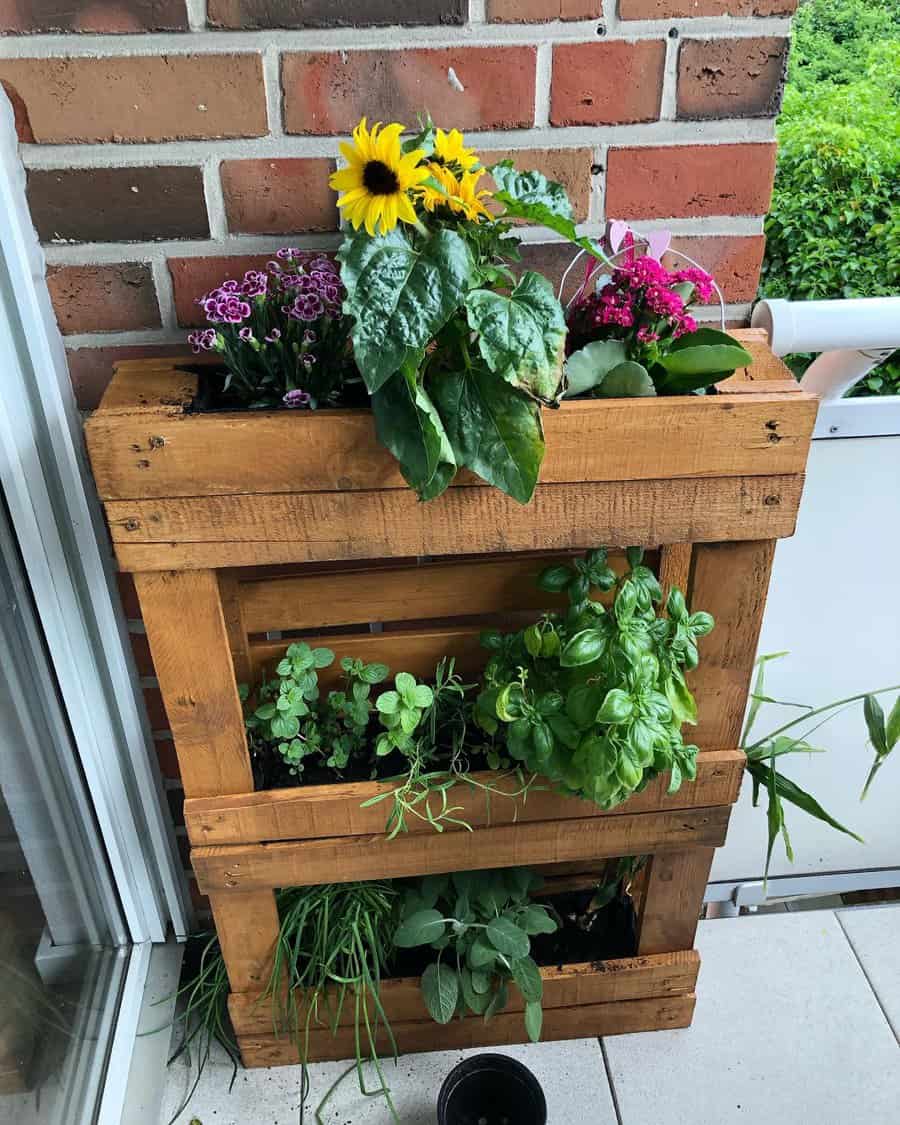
{"type": "Point", "coordinates": [822, 326]}
{"type": "Point", "coordinates": [832, 374]}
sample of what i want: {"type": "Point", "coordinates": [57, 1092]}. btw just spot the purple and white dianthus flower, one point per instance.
{"type": "Point", "coordinates": [297, 398]}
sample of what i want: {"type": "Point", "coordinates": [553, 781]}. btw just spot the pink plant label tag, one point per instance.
{"type": "Point", "coordinates": [616, 234]}
{"type": "Point", "coordinates": [658, 243]}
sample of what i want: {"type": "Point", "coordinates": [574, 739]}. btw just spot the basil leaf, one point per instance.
{"type": "Point", "coordinates": [440, 990]}
{"type": "Point", "coordinates": [494, 430]}
{"type": "Point", "coordinates": [407, 422]}
{"type": "Point", "coordinates": [400, 297]}
{"type": "Point", "coordinates": [588, 366]}
{"type": "Point", "coordinates": [626, 380]}
{"type": "Point", "coordinates": [522, 336]}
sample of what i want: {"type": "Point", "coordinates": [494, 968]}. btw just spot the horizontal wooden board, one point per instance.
{"type": "Point", "coordinates": [618, 1017]}
{"type": "Point", "coordinates": [627, 978]}
{"type": "Point", "coordinates": [155, 456]}
{"type": "Point", "coordinates": [415, 651]}
{"type": "Point", "coordinates": [320, 811]}
{"type": "Point", "coordinates": [211, 531]}
{"type": "Point", "coordinates": [345, 859]}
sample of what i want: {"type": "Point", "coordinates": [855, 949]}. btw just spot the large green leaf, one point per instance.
{"type": "Point", "coordinates": [626, 380]}
{"type": "Point", "coordinates": [589, 365]}
{"type": "Point", "coordinates": [534, 198]}
{"type": "Point", "coordinates": [706, 351]}
{"type": "Point", "coordinates": [508, 938]}
{"type": "Point", "coordinates": [409, 425]}
{"type": "Point", "coordinates": [421, 928]}
{"type": "Point", "coordinates": [400, 297]}
{"type": "Point", "coordinates": [493, 428]}
{"type": "Point", "coordinates": [440, 990]}
{"type": "Point", "coordinates": [521, 336]}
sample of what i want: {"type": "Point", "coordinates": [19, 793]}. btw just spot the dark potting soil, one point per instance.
{"type": "Point", "coordinates": [212, 399]}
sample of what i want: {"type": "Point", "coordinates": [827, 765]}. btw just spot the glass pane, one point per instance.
{"type": "Point", "coordinates": [60, 977]}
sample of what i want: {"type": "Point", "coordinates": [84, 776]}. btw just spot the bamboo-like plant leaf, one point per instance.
{"type": "Point", "coordinates": [893, 725]}
{"type": "Point", "coordinates": [400, 296]}
{"type": "Point", "coordinates": [874, 716]}
{"type": "Point", "coordinates": [756, 697]}
{"type": "Point", "coordinates": [521, 336]}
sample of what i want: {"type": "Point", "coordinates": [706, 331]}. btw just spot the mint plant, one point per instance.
{"type": "Point", "coordinates": [400, 712]}
{"type": "Point", "coordinates": [595, 699]}
{"type": "Point", "coordinates": [480, 924]}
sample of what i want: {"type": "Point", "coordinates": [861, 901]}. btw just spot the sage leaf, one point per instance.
{"type": "Point", "coordinates": [626, 380]}
{"type": "Point", "coordinates": [587, 367]}
{"type": "Point", "coordinates": [521, 336]}
{"type": "Point", "coordinates": [421, 928]}
{"type": "Point", "coordinates": [494, 429]}
{"type": "Point", "coordinates": [440, 990]}
{"type": "Point", "coordinates": [535, 920]}
{"type": "Point", "coordinates": [400, 296]}
{"type": "Point", "coordinates": [508, 938]}
{"type": "Point", "coordinates": [527, 976]}
{"type": "Point", "coordinates": [407, 422]}
{"type": "Point", "coordinates": [534, 1019]}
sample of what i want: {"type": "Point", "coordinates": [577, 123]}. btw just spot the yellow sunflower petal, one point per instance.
{"type": "Point", "coordinates": [345, 179]}
{"type": "Point", "coordinates": [389, 145]}
{"type": "Point", "coordinates": [405, 210]}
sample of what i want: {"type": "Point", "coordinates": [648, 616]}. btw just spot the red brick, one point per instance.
{"type": "Point", "coordinates": [683, 180]}
{"type": "Point", "coordinates": [23, 17]}
{"type": "Point", "coordinates": [279, 196]}
{"type": "Point", "coordinates": [91, 369]}
{"type": "Point", "coordinates": [244, 14]}
{"type": "Point", "coordinates": [117, 204]}
{"type": "Point", "coordinates": [731, 77]}
{"type": "Point", "coordinates": [569, 166]}
{"type": "Point", "coordinates": [606, 83]}
{"type": "Point", "coordinates": [139, 98]}
{"type": "Point", "coordinates": [113, 298]}
{"type": "Point", "coordinates": [542, 11]}
{"type": "Point", "coordinates": [192, 277]}
{"type": "Point", "coordinates": [328, 91]}
{"type": "Point", "coordinates": [682, 9]}
{"type": "Point", "coordinates": [733, 260]}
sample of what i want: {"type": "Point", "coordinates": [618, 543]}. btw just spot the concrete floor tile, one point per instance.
{"type": "Point", "coordinates": [786, 1029]}
{"type": "Point", "coordinates": [572, 1074]}
{"type": "Point", "coordinates": [874, 933]}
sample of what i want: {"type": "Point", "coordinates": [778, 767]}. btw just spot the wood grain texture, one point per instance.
{"type": "Point", "coordinates": [345, 859]}
{"type": "Point", "coordinates": [730, 581]}
{"type": "Point", "coordinates": [166, 455]}
{"type": "Point", "coordinates": [222, 531]}
{"type": "Point", "coordinates": [321, 811]}
{"type": "Point", "coordinates": [584, 1021]}
{"type": "Point", "coordinates": [672, 899]}
{"type": "Point", "coordinates": [247, 927]}
{"type": "Point", "coordinates": [675, 568]}
{"type": "Point", "coordinates": [182, 614]}
{"type": "Point", "coordinates": [627, 978]}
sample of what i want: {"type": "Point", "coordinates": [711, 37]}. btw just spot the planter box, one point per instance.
{"type": "Point", "coordinates": [247, 530]}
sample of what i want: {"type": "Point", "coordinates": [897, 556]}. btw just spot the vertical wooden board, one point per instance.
{"type": "Point", "coordinates": [189, 644]}
{"type": "Point", "coordinates": [247, 926]}
{"type": "Point", "coordinates": [730, 581]}
{"type": "Point", "coordinates": [232, 612]}
{"type": "Point", "coordinates": [674, 568]}
{"type": "Point", "coordinates": [672, 898]}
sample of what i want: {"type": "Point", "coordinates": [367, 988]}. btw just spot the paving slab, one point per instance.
{"type": "Point", "coordinates": [786, 1029]}
{"type": "Point", "coordinates": [572, 1074]}
{"type": "Point", "coordinates": [874, 933]}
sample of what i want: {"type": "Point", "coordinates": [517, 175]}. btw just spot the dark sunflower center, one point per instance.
{"type": "Point", "coordinates": [379, 179]}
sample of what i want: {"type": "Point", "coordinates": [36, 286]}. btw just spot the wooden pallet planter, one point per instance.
{"type": "Point", "coordinates": [238, 525]}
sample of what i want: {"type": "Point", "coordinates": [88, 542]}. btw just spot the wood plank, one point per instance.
{"type": "Point", "coordinates": [320, 811]}
{"type": "Point", "coordinates": [405, 593]}
{"type": "Point", "coordinates": [148, 386]}
{"type": "Point", "coordinates": [247, 927]}
{"type": "Point", "coordinates": [587, 1021]}
{"type": "Point", "coordinates": [182, 614]}
{"type": "Point", "coordinates": [730, 581]}
{"type": "Point", "coordinates": [166, 455]}
{"type": "Point", "coordinates": [766, 369]}
{"type": "Point", "coordinates": [345, 859]}
{"type": "Point", "coordinates": [672, 899]}
{"type": "Point", "coordinates": [258, 530]}
{"type": "Point", "coordinates": [229, 593]}
{"type": "Point", "coordinates": [627, 978]}
{"type": "Point", "coordinates": [675, 568]}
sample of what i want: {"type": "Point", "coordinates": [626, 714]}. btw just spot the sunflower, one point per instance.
{"type": "Point", "coordinates": [450, 148]}
{"type": "Point", "coordinates": [378, 178]}
{"type": "Point", "coordinates": [459, 193]}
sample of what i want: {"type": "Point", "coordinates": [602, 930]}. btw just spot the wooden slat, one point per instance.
{"type": "Point", "coordinates": [320, 811]}
{"type": "Point", "coordinates": [407, 593]}
{"type": "Point", "coordinates": [674, 568]}
{"type": "Point", "coordinates": [229, 592]}
{"type": "Point", "coordinates": [412, 651]}
{"type": "Point", "coordinates": [258, 530]}
{"type": "Point", "coordinates": [247, 927]}
{"type": "Point", "coordinates": [672, 898]}
{"type": "Point", "coordinates": [767, 372]}
{"type": "Point", "coordinates": [167, 455]}
{"type": "Point", "coordinates": [182, 614]}
{"type": "Point", "coordinates": [586, 1021]}
{"type": "Point", "coordinates": [345, 859]}
{"type": "Point", "coordinates": [148, 386]}
{"type": "Point", "coordinates": [627, 978]}
{"type": "Point", "coordinates": [730, 581]}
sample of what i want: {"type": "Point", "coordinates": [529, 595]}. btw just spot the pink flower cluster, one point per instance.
{"type": "Point", "coordinates": [641, 293]}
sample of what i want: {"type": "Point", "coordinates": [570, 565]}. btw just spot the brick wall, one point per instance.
{"type": "Point", "coordinates": [171, 142]}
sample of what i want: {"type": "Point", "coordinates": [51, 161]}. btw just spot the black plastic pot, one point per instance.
{"type": "Point", "coordinates": [491, 1090]}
